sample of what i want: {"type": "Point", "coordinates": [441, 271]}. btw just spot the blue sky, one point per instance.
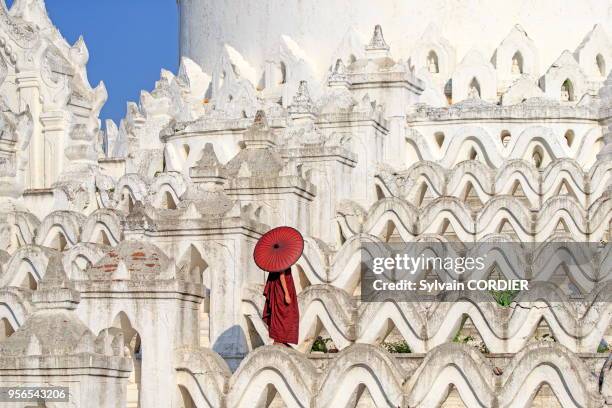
{"type": "Point", "coordinates": [129, 41]}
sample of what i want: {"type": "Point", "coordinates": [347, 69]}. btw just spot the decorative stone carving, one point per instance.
{"type": "Point", "coordinates": [474, 78]}
{"type": "Point", "coordinates": [564, 81]}
{"type": "Point", "coordinates": [338, 75]}
{"type": "Point", "coordinates": [516, 55]}
{"type": "Point", "coordinates": [128, 252]}
{"type": "Point", "coordinates": [301, 103]}
{"type": "Point", "coordinates": [377, 42]}
{"type": "Point", "coordinates": [377, 47]}
{"type": "Point", "coordinates": [594, 54]}
{"type": "Point", "coordinates": [435, 55]}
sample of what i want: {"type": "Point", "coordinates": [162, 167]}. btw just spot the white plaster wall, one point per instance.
{"type": "Point", "coordinates": [318, 26]}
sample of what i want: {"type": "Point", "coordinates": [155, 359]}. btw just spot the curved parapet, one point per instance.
{"type": "Point", "coordinates": [285, 376]}
{"type": "Point", "coordinates": [167, 190]}
{"type": "Point", "coordinates": [549, 363]}
{"type": "Point", "coordinates": [505, 209]}
{"type": "Point", "coordinates": [131, 186]}
{"type": "Point", "coordinates": [60, 229]}
{"type": "Point", "coordinates": [22, 226]}
{"type": "Point", "coordinates": [27, 262]}
{"type": "Point", "coordinates": [345, 266]}
{"type": "Point", "coordinates": [204, 374]}
{"type": "Point", "coordinates": [457, 365]}
{"type": "Point", "coordinates": [443, 212]}
{"type": "Point", "coordinates": [333, 307]}
{"type": "Point", "coordinates": [400, 212]}
{"type": "Point", "coordinates": [426, 181]}
{"type": "Point", "coordinates": [475, 378]}
{"type": "Point", "coordinates": [15, 306]}
{"type": "Point", "coordinates": [103, 227]}
{"type": "Point", "coordinates": [81, 257]}
{"type": "Point", "coordinates": [501, 329]}
{"type": "Point", "coordinates": [568, 211]}
{"type": "Point", "coordinates": [289, 372]}
{"type": "Point", "coordinates": [362, 365]}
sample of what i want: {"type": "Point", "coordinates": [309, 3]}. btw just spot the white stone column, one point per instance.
{"type": "Point", "coordinates": [226, 335]}
{"type": "Point", "coordinates": [28, 88]}
{"type": "Point", "coordinates": [55, 124]}
{"type": "Point", "coordinates": [157, 346]}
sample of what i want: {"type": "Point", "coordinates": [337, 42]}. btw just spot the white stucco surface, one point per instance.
{"type": "Point", "coordinates": [126, 254]}
{"type": "Point", "coordinates": [253, 28]}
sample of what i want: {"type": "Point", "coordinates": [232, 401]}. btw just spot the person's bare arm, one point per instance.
{"type": "Point", "coordinates": [284, 286]}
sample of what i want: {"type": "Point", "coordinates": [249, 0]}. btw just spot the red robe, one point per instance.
{"type": "Point", "coordinates": [283, 319]}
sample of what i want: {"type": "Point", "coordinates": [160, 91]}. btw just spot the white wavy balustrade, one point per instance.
{"type": "Point", "coordinates": [585, 212]}
{"type": "Point", "coordinates": [156, 232]}
{"type": "Point", "coordinates": [328, 298]}
{"type": "Point", "coordinates": [507, 214]}
{"type": "Point", "coordinates": [499, 213]}
{"type": "Point", "coordinates": [342, 268]}
{"type": "Point", "coordinates": [426, 325]}
{"type": "Point", "coordinates": [391, 380]}
{"type": "Point", "coordinates": [493, 152]}
{"type": "Point", "coordinates": [502, 329]}
{"type": "Point", "coordinates": [537, 186]}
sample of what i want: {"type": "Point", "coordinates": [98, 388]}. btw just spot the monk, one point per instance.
{"type": "Point", "coordinates": [281, 312]}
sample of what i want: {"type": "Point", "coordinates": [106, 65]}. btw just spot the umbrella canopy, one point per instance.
{"type": "Point", "coordinates": [278, 249]}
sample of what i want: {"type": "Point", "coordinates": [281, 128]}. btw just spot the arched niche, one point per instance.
{"type": "Point", "coordinates": [517, 67]}
{"type": "Point", "coordinates": [132, 343]}
{"type": "Point", "coordinates": [567, 91]}
{"type": "Point", "coordinates": [433, 65]}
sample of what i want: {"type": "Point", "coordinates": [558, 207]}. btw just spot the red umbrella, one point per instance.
{"type": "Point", "coordinates": [278, 249]}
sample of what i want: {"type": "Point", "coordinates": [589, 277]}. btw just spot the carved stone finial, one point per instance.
{"type": "Point", "coordinates": [302, 103]}
{"type": "Point", "coordinates": [260, 120]}
{"type": "Point", "coordinates": [55, 290]}
{"type": "Point", "coordinates": [55, 275]}
{"type": "Point", "coordinates": [339, 68]}
{"type": "Point", "coordinates": [377, 42]}
{"type": "Point", "coordinates": [208, 158]}
{"type": "Point", "coordinates": [207, 169]}
{"type": "Point", "coordinates": [80, 146]}
{"type": "Point", "coordinates": [259, 135]}
{"type": "Point", "coordinates": [302, 95]}
{"type": "Point", "coordinates": [338, 75]}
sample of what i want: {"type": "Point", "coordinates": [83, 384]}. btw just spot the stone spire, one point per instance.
{"type": "Point", "coordinates": [260, 121]}
{"type": "Point", "coordinates": [302, 104]}
{"type": "Point", "coordinates": [258, 158]}
{"type": "Point", "coordinates": [56, 290]}
{"type": "Point", "coordinates": [80, 148]}
{"type": "Point", "coordinates": [208, 171]}
{"type": "Point", "coordinates": [338, 76]}
{"type": "Point", "coordinates": [378, 47]}
{"type": "Point", "coordinates": [206, 193]}
{"type": "Point", "coordinates": [259, 135]}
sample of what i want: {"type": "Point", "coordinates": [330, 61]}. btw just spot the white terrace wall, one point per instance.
{"type": "Point", "coordinates": [483, 121]}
